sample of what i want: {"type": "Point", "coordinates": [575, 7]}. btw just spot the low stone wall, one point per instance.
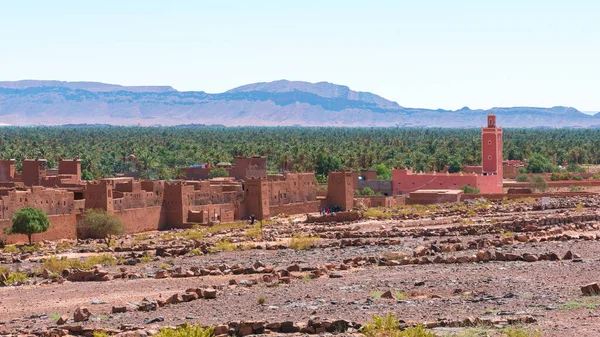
{"type": "Point", "coordinates": [334, 217]}
{"type": "Point", "coordinates": [379, 201]}
{"type": "Point", "coordinates": [500, 196]}
{"type": "Point", "coordinates": [556, 184]}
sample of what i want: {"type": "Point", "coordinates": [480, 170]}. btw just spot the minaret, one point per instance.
{"type": "Point", "coordinates": [491, 148]}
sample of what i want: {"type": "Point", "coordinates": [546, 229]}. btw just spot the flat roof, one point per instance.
{"type": "Point", "coordinates": [439, 191]}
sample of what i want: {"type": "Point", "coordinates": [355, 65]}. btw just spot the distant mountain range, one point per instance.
{"type": "Point", "coordinates": [284, 103]}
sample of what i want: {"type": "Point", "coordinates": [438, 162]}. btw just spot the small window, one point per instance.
{"type": "Point", "coordinates": [490, 157]}
{"type": "Point", "coordinates": [489, 142]}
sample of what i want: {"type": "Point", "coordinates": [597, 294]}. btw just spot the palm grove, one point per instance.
{"type": "Point", "coordinates": [161, 151]}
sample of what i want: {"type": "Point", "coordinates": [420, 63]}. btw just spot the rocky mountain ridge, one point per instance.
{"type": "Point", "coordinates": [278, 103]}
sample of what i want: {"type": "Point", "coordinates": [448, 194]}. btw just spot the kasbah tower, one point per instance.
{"type": "Point", "coordinates": [491, 148]}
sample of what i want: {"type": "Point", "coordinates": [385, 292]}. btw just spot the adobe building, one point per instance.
{"type": "Point", "coordinates": [7, 171]}
{"type": "Point", "coordinates": [488, 181]}
{"type": "Point", "coordinates": [425, 197]}
{"type": "Point", "coordinates": [368, 178]}
{"type": "Point", "coordinates": [147, 205]}
{"type": "Point", "coordinates": [34, 172]}
{"type": "Point", "coordinates": [241, 168]}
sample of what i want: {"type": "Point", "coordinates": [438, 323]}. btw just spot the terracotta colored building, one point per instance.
{"type": "Point", "coordinates": [146, 205]}
{"type": "Point", "coordinates": [242, 167]}
{"type": "Point", "coordinates": [489, 180]}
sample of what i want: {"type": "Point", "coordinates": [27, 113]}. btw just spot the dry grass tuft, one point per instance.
{"type": "Point", "coordinates": [302, 242]}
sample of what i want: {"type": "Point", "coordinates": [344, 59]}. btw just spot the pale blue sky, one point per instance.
{"type": "Point", "coordinates": [431, 54]}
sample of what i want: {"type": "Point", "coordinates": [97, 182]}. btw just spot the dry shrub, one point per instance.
{"type": "Point", "coordinates": [255, 231]}
{"type": "Point", "coordinates": [57, 265]}
{"type": "Point", "coordinates": [186, 331]}
{"type": "Point", "coordinates": [388, 326]}
{"type": "Point", "coordinates": [223, 246]}
{"type": "Point", "coordinates": [376, 213]}
{"type": "Point", "coordinates": [389, 256]}
{"type": "Point", "coordinates": [302, 242]}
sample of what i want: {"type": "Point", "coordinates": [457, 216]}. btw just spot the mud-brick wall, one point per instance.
{"type": "Point", "coordinates": [61, 227]}
{"type": "Point", "coordinates": [137, 220]}
{"type": "Point", "coordinates": [296, 208]}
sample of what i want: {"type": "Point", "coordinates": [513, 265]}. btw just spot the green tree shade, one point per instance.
{"type": "Point", "coordinates": [102, 225]}
{"type": "Point", "coordinates": [325, 163]}
{"type": "Point", "coordinates": [29, 221]}
{"type": "Point", "coordinates": [574, 168]}
{"type": "Point", "coordinates": [86, 175]}
{"type": "Point", "coordinates": [218, 173]}
{"type": "Point", "coordinates": [454, 166]}
{"type": "Point", "coordinates": [383, 172]}
{"type": "Point", "coordinates": [321, 178]}
{"type": "Point", "coordinates": [539, 164]}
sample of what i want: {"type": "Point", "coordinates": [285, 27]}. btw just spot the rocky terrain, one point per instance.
{"type": "Point", "coordinates": [279, 103]}
{"type": "Point", "coordinates": [458, 269]}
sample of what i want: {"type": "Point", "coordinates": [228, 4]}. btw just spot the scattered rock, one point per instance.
{"type": "Point", "coordinates": [81, 314]}
{"type": "Point", "coordinates": [592, 289]}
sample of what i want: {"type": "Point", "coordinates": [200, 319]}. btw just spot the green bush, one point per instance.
{"type": "Point", "coordinates": [538, 183]}
{"type": "Point", "coordinates": [29, 221]}
{"type": "Point", "coordinates": [383, 172]}
{"type": "Point", "coordinates": [469, 189]}
{"type": "Point", "coordinates": [576, 168]}
{"type": "Point", "coordinates": [454, 166]}
{"type": "Point", "coordinates": [522, 178]}
{"type": "Point", "coordinates": [15, 278]}
{"type": "Point", "coordinates": [574, 188]}
{"type": "Point", "coordinates": [537, 163]}
{"type": "Point", "coordinates": [367, 191]}
{"type": "Point", "coordinates": [218, 173]}
{"type": "Point", "coordinates": [560, 176]}
{"type": "Point", "coordinates": [101, 224]}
